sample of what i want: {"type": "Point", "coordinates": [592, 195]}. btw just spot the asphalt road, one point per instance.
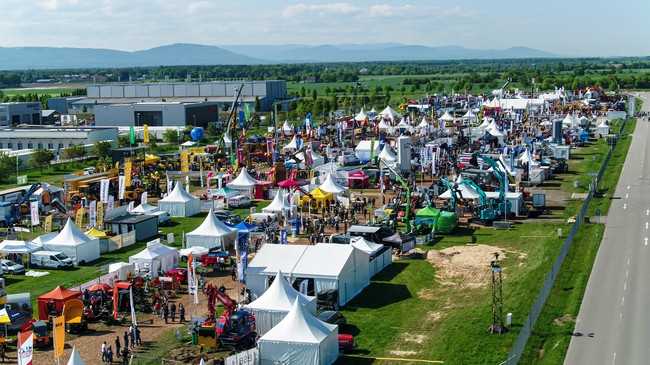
{"type": "Point", "coordinates": [613, 325]}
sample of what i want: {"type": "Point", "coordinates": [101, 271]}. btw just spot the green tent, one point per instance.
{"type": "Point", "coordinates": [427, 216]}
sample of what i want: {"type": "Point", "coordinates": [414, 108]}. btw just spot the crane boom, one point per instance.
{"type": "Point", "coordinates": [405, 186]}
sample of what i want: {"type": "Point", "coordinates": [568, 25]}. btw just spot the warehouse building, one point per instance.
{"type": "Point", "coordinates": [53, 138]}
{"type": "Point", "coordinates": [65, 105]}
{"type": "Point", "coordinates": [156, 114]}
{"type": "Point", "coordinates": [20, 113]}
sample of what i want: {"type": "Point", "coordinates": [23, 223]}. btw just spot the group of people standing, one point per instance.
{"type": "Point", "coordinates": [132, 339]}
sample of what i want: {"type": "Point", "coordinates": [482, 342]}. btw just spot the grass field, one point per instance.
{"type": "Point", "coordinates": [50, 91]}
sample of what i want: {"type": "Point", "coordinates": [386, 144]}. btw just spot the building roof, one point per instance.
{"type": "Point", "coordinates": [131, 219]}
{"type": "Point", "coordinates": [168, 100]}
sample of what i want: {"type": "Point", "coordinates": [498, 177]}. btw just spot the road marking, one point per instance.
{"type": "Point", "coordinates": [625, 285]}
{"type": "Point", "coordinates": [627, 195]}
{"type": "Point", "coordinates": [624, 206]}
{"type": "Point", "coordinates": [645, 241]}
{"type": "Point", "coordinates": [614, 359]}
{"type": "Point", "coordinates": [627, 273]}
{"type": "Point", "coordinates": [620, 315]}
{"type": "Point", "coordinates": [628, 187]}
{"type": "Point", "coordinates": [628, 261]}
{"type": "Point", "coordinates": [647, 212]}
{"type": "Point", "coordinates": [623, 300]}
{"type": "Point", "coordinates": [646, 226]}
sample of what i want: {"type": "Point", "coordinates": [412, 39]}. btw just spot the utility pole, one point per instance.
{"type": "Point", "coordinates": [497, 326]}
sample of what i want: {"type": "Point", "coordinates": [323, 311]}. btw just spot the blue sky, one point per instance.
{"type": "Point", "coordinates": [568, 27]}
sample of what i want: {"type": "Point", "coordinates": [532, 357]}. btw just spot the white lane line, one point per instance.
{"type": "Point", "coordinates": [624, 206]}
{"type": "Point", "coordinates": [645, 241]}
{"type": "Point", "coordinates": [646, 226]}
{"type": "Point", "coordinates": [625, 285]}
{"type": "Point", "coordinates": [628, 187]}
{"type": "Point", "coordinates": [623, 300]}
{"type": "Point", "coordinates": [627, 195]}
{"type": "Point", "coordinates": [620, 315]}
{"type": "Point", "coordinates": [614, 358]}
{"type": "Point", "coordinates": [627, 273]}
{"type": "Point", "coordinates": [628, 261]}
{"type": "Point", "coordinates": [647, 212]}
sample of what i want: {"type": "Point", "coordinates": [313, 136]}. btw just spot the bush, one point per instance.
{"type": "Point", "coordinates": [41, 158]}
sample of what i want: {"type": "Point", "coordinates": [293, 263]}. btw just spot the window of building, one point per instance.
{"type": "Point", "coordinates": [10, 145]}
{"type": "Point", "coordinates": [50, 146]}
{"type": "Point", "coordinates": [40, 145]}
{"type": "Point", "coordinates": [60, 145]}
{"type": "Point", "coordinates": [20, 145]}
{"type": "Point", "coordinates": [30, 145]}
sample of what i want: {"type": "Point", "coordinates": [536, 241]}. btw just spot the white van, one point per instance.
{"type": "Point", "coordinates": [239, 201]}
{"type": "Point", "coordinates": [51, 259]}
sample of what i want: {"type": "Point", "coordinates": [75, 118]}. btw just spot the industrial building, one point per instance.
{"type": "Point", "coordinates": [53, 138]}
{"type": "Point", "coordinates": [20, 113]}
{"type": "Point", "coordinates": [65, 105]}
{"type": "Point", "coordinates": [156, 114]}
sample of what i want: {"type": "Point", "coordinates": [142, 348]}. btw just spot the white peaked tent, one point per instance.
{"type": "Point", "coordinates": [226, 139]}
{"type": "Point", "coordinates": [470, 115]}
{"type": "Point", "coordinates": [389, 113]}
{"type": "Point", "coordinates": [145, 209]}
{"type": "Point", "coordinates": [180, 203]}
{"type": "Point", "coordinates": [570, 121]}
{"type": "Point", "coordinates": [75, 358]}
{"type": "Point", "coordinates": [155, 258]}
{"type": "Point", "coordinates": [602, 129]}
{"type": "Point", "coordinates": [447, 117]}
{"type": "Point", "coordinates": [331, 186]}
{"type": "Point", "coordinates": [383, 126]}
{"type": "Point", "coordinates": [292, 145]}
{"type": "Point", "coordinates": [387, 155]}
{"type": "Point", "coordinates": [423, 124]}
{"type": "Point", "coordinates": [361, 116]}
{"type": "Point", "coordinates": [366, 148]}
{"type": "Point", "coordinates": [527, 157]}
{"type": "Point", "coordinates": [380, 256]}
{"type": "Point", "coordinates": [300, 339]}
{"type": "Point", "coordinates": [18, 247]}
{"type": "Point", "coordinates": [244, 181]}
{"type": "Point", "coordinates": [272, 306]}
{"type": "Point", "coordinates": [465, 191]}
{"type": "Point", "coordinates": [74, 243]}
{"type": "Point", "coordinates": [212, 233]}
{"type": "Point", "coordinates": [279, 204]}
{"type": "Point", "coordinates": [286, 128]}
{"type": "Point", "coordinates": [486, 123]}
{"type": "Point", "coordinates": [403, 124]}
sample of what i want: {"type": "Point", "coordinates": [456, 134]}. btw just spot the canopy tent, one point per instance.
{"type": "Point", "coordinates": [54, 301]}
{"type": "Point", "coordinates": [293, 145]}
{"type": "Point", "coordinates": [287, 129]}
{"type": "Point", "coordinates": [470, 115]}
{"type": "Point", "coordinates": [602, 129]}
{"type": "Point", "coordinates": [243, 182]}
{"type": "Point", "coordinates": [389, 113]}
{"type": "Point", "coordinates": [225, 192]}
{"type": "Point", "coordinates": [272, 306]}
{"type": "Point", "coordinates": [291, 183]}
{"type": "Point", "coordinates": [527, 158]}
{"type": "Point", "coordinates": [361, 117]}
{"type": "Point", "coordinates": [427, 216]}
{"type": "Point", "coordinates": [122, 269]}
{"type": "Point", "coordinates": [321, 197]}
{"type": "Point", "coordinates": [155, 258]}
{"type": "Point", "coordinates": [570, 121]}
{"type": "Point", "coordinates": [145, 209]}
{"type": "Point", "coordinates": [96, 233]}
{"type": "Point", "coordinates": [74, 243]}
{"type": "Point", "coordinates": [300, 338]}
{"type": "Point", "coordinates": [331, 186]}
{"type": "Point", "coordinates": [18, 247]}
{"type": "Point", "coordinates": [358, 179]}
{"type": "Point", "coordinates": [447, 117]}
{"type": "Point", "coordinates": [424, 126]}
{"type": "Point", "coordinates": [380, 255]}
{"type": "Point", "coordinates": [211, 233]}
{"type": "Point", "coordinates": [75, 358]}
{"type": "Point", "coordinates": [188, 144]}
{"type": "Point", "coordinates": [279, 205]}
{"type": "Point", "coordinates": [464, 191]}
{"type": "Point", "coordinates": [196, 251]}
{"type": "Point", "coordinates": [387, 155]}
{"type": "Point", "coordinates": [485, 123]}
{"type": "Point", "coordinates": [382, 126]}
{"type": "Point", "coordinates": [180, 203]}
{"type": "Point", "coordinates": [366, 149]}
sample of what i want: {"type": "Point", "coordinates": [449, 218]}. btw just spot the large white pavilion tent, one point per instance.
{"type": "Point", "coordinates": [155, 258]}
{"type": "Point", "coordinates": [279, 204]}
{"type": "Point", "coordinates": [180, 203]}
{"type": "Point", "coordinates": [211, 233]}
{"type": "Point", "coordinates": [244, 182]}
{"type": "Point", "coordinates": [74, 243]}
{"type": "Point", "coordinates": [331, 186]}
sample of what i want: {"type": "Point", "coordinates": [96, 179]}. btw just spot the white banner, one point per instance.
{"type": "Point", "coordinates": [111, 203]}
{"type": "Point", "coordinates": [34, 213]}
{"type": "Point", "coordinates": [143, 198]}
{"type": "Point", "coordinates": [25, 348]}
{"type": "Point", "coordinates": [130, 207]}
{"type": "Point", "coordinates": [122, 187]}
{"type": "Point", "coordinates": [248, 357]}
{"type": "Point", "coordinates": [92, 213]}
{"type": "Point", "coordinates": [169, 186]}
{"type": "Point", "coordinates": [103, 190]}
{"type": "Point", "coordinates": [133, 320]}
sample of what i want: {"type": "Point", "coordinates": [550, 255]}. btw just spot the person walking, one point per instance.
{"type": "Point", "coordinates": [166, 313]}
{"type": "Point", "coordinates": [138, 339]}
{"type": "Point", "coordinates": [134, 338]}
{"type": "Point", "coordinates": [103, 351]}
{"type": "Point", "coordinates": [125, 355]}
{"type": "Point", "coordinates": [181, 313]}
{"type": "Point", "coordinates": [126, 340]}
{"type": "Point", "coordinates": [118, 347]}
{"type": "Point", "coordinates": [109, 355]}
{"type": "Point", "coordinates": [173, 312]}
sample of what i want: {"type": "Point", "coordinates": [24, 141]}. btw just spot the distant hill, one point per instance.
{"type": "Point", "coordinates": [20, 58]}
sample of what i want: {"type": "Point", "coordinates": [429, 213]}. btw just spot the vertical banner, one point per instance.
{"type": "Point", "coordinates": [58, 335]}
{"type": "Point", "coordinates": [143, 198]}
{"type": "Point", "coordinates": [116, 298]}
{"type": "Point", "coordinates": [33, 209]}
{"type": "Point", "coordinates": [131, 206]}
{"type": "Point", "coordinates": [145, 134]}
{"type": "Point", "coordinates": [100, 215]}
{"type": "Point", "coordinates": [190, 278]}
{"type": "Point", "coordinates": [111, 203]}
{"type": "Point", "coordinates": [185, 161]}
{"type": "Point", "coordinates": [79, 218]}
{"type": "Point", "coordinates": [121, 180]}
{"type": "Point", "coordinates": [48, 224]}
{"type": "Point", "coordinates": [103, 190]}
{"type": "Point", "coordinates": [25, 348]}
{"type": "Point", "coordinates": [128, 172]}
{"type": "Point", "coordinates": [92, 213]}
{"type": "Point", "coordinates": [170, 186]}
{"type": "Point", "coordinates": [132, 135]}
{"type": "Point", "coordinates": [133, 320]}
{"type": "Point", "coordinates": [187, 183]}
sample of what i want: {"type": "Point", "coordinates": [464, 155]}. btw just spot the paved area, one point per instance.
{"type": "Point", "coordinates": [613, 325]}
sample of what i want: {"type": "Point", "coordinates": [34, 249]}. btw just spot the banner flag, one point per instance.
{"type": "Point", "coordinates": [25, 348]}
{"type": "Point", "coordinates": [34, 213]}
{"type": "Point", "coordinates": [121, 187]}
{"type": "Point", "coordinates": [103, 190]}
{"type": "Point", "coordinates": [145, 134]}
{"type": "Point", "coordinates": [59, 336]}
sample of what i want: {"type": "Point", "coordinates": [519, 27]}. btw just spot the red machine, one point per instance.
{"type": "Point", "coordinates": [234, 328]}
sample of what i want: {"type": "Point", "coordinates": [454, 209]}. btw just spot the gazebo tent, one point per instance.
{"type": "Point", "coordinates": [447, 117]}
{"type": "Point", "coordinates": [155, 258]}
{"type": "Point", "coordinates": [57, 297]}
{"type": "Point", "coordinates": [291, 183]}
{"type": "Point", "coordinates": [292, 145]}
{"type": "Point", "coordinates": [300, 339]}
{"type": "Point", "coordinates": [383, 126]}
{"type": "Point", "coordinates": [243, 182]}
{"type": "Point", "coordinates": [279, 205]}
{"type": "Point", "coordinates": [321, 197]}
{"type": "Point", "coordinates": [18, 247]}
{"type": "Point", "coordinates": [211, 233]}
{"type": "Point", "coordinates": [75, 244]}
{"type": "Point", "coordinates": [330, 186]}
{"type": "Point", "coordinates": [389, 113]}
{"type": "Point", "coordinates": [380, 255]}
{"type": "Point", "coordinates": [180, 203]}
{"type": "Point", "coordinates": [387, 155]}
{"type": "Point", "coordinates": [366, 149]}
{"type": "Point", "coordinates": [361, 116]}
{"type": "Point", "coordinates": [287, 129]}
{"type": "Point", "coordinates": [145, 209]}
{"type": "Point", "coordinates": [272, 306]}
{"type": "Point", "coordinates": [358, 178]}
{"type": "Point", "coordinates": [75, 358]}
{"type": "Point", "coordinates": [424, 126]}
{"type": "Point", "coordinates": [427, 216]}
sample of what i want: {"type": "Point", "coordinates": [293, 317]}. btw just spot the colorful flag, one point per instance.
{"type": "Point", "coordinates": [132, 135]}
{"type": "Point", "coordinates": [145, 134]}
{"type": "Point", "coordinates": [48, 224]}
{"type": "Point", "coordinates": [121, 180]}
{"type": "Point", "coordinates": [34, 213]}
{"type": "Point", "coordinates": [59, 336]}
{"type": "Point", "coordinates": [92, 213]}
{"type": "Point", "coordinates": [103, 190]}
{"type": "Point", "coordinates": [25, 348]}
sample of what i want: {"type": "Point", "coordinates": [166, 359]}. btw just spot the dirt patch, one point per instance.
{"type": "Point", "coordinates": [565, 319]}
{"type": "Point", "coordinates": [403, 353]}
{"type": "Point", "coordinates": [426, 294]}
{"type": "Point", "coordinates": [464, 266]}
{"type": "Point", "coordinates": [409, 337]}
{"type": "Point", "coordinates": [435, 316]}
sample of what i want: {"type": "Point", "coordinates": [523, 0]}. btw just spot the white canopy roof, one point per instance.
{"type": "Point", "coordinates": [75, 358]}
{"type": "Point", "coordinates": [226, 139]}
{"type": "Point", "coordinates": [486, 123]}
{"type": "Point", "coordinates": [70, 235]}
{"type": "Point", "coordinates": [188, 144]}
{"type": "Point", "coordinates": [387, 154]}
{"type": "Point", "coordinates": [569, 121]}
{"type": "Point", "coordinates": [211, 226]}
{"type": "Point", "coordinates": [243, 181]}
{"type": "Point", "coordinates": [286, 128]}
{"type": "Point", "coordinates": [299, 326]}
{"type": "Point", "coordinates": [383, 125]}
{"type": "Point", "coordinates": [145, 208]}
{"type": "Point", "coordinates": [469, 115]}
{"type": "Point", "coordinates": [18, 247]}
{"type": "Point", "coordinates": [403, 124]}
{"type": "Point", "coordinates": [280, 296]}
{"type": "Point", "coordinates": [194, 251]}
{"type": "Point", "coordinates": [465, 191]}
{"type": "Point", "coordinates": [447, 117]}
{"type": "Point", "coordinates": [331, 186]}
{"type": "Point", "coordinates": [361, 116]}
{"type": "Point", "coordinates": [279, 203]}
{"type": "Point", "coordinates": [153, 251]}
{"type": "Point", "coordinates": [179, 194]}
{"type": "Point", "coordinates": [292, 145]}
{"type": "Point", "coordinates": [423, 123]}
{"type": "Point", "coordinates": [527, 157]}
{"type": "Point", "coordinates": [366, 246]}
{"type": "Point", "coordinates": [389, 113]}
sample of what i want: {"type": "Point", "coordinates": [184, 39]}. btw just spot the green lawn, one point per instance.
{"type": "Point", "coordinates": [52, 174]}
{"type": "Point", "coordinates": [50, 91]}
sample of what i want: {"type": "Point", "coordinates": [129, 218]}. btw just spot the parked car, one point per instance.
{"type": "Point", "coordinates": [332, 317]}
{"type": "Point", "coordinates": [50, 259]}
{"type": "Point", "coordinates": [349, 160]}
{"type": "Point", "coordinates": [10, 267]}
{"type": "Point", "coordinates": [239, 201]}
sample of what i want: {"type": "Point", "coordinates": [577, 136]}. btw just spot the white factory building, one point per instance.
{"type": "Point", "coordinates": [53, 138]}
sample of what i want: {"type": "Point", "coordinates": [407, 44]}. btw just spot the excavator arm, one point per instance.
{"type": "Point", "coordinates": [405, 186]}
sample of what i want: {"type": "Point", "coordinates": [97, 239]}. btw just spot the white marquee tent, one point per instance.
{"type": "Point", "coordinates": [287, 129]}
{"type": "Point", "coordinates": [243, 182]}
{"type": "Point", "coordinates": [331, 186]}
{"type": "Point", "coordinates": [180, 203]}
{"type": "Point", "coordinates": [361, 116]}
{"type": "Point", "coordinates": [272, 306]}
{"type": "Point", "coordinates": [75, 358]}
{"type": "Point", "coordinates": [389, 113]}
{"type": "Point", "coordinates": [212, 233]}
{"type": "Point", "coordinates": [155, 258]}
{"type": "Point", "coordinates": [366, 149]}
{"type": "Point", "coordinates": [300, 339]}
{"type": "Point", "coordinates": [74, 243]}
{"type": "Point", "coordinates": [279, 205]}
{"type": "Point", "coordinates": [18, 247]}
{"type": "Point", "coordinates": [465, 191]}
{"type": "Point", "coordinates": [380, 256]}
{"type": "Point", "coordinates": [292, 145]}
{"type": "Point", "coordinates": [387, 155]}
{"type": "Point", "coordinates": [447, 117]}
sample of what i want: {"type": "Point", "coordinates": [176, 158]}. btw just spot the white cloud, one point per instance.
{"type": "Point", "coordinates": [51, 5]}
{"type": "Point", "coordinates": [387, 10]}
{"type": "Point", "coordinates": [320, 9]}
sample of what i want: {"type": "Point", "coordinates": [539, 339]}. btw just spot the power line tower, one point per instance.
{"type": "Point", "coordinates": [497, 297]}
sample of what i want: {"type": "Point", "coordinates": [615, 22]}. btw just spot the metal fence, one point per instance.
{"type": "Point", "coordinates": [529, 324]}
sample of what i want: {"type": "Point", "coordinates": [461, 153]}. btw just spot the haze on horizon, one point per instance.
{"type": "Point", "coordinates": [567, 28]}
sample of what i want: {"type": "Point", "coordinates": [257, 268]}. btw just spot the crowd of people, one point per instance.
{"type": "Point", "coordinates": [132, 339]}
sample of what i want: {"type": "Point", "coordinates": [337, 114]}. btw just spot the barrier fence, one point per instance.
{"type": "Point", "coordinates": [519, 346]}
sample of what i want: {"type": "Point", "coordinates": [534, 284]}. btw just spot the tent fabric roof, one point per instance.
{"type": "Point", "coordinates": [331, 186]}
{"type": "Point", "coordinates": [194, 251]}
{"type": "Point", "coordinates": [70, 235]}
{"type": "Point", "coordinates": [366, 246]}
{"type": "Point", "coordinates": [18, 247]}
{"type": "Point", "coordinates": [273, 258]}
{"type": "Point", "coordinates": [243, 180]}
{"type": "Point", "coordinates": [96, 233]}
{"type": "Point", "coordinates": [299, 326]}
{"type": "Point", "coordinates": [361, 116]}
{"type": "Point", "coordinates": [423, 123]}
{"type": "Point", "coordinates": [292, 145]}
{"type": "Point", "coordinates": [144, 208]}
{"type": "Point", "coordinates": [387, 154]}
{"type": "Point", "coordinates": [427, 212]}
{"type": "Point", "coordinates": [178, 195]}
{"type": "Point", "coordinates": [75, 358]}
{"type": "Point", "coordinates": [323, 259]}
{"type": "Point", "coordinates": [279, 203]}
{"type": "Point", "coordinates": [447, 117]}
{"type": "Point", "coordinates": [60, 293]}
{"type": "Point", "coordinates": [465, 191]}
{"type": "Point", "coordinates": [280, 296]}
{"type": "Point", "coordinates": [383, 125]}
{"type": "Point", "coordinates": [291, 183]}
{"type": "Point", "coordinates": [212, 227]}
{"type": "Point", "coordinates": [319, 194]}
{"type": "Point", "coordinates": [389, 113]}
{"type": "Point", "coordinates": [286, 126]}
{"type": "Point", "coordinates": [153, 251]}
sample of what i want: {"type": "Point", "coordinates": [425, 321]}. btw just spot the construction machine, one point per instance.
{"type": "Point", "coordinates": [234, 329]}
{"type": "Point", "coordinates": [486, 210]}
{"type": "Point", "coordinates": [500, 173]}
{"type": "Point", "coordinates": [407, 188]}
{"type": "Point", "coordinates": [11, 212]}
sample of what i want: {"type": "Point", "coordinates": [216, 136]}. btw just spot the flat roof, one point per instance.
{"type": "Point", "coordinates": [168, 100]}
{"type": "Point", "coordinates": [363, 229]}
{"type": "Point", "coordinates": [131, 219]}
